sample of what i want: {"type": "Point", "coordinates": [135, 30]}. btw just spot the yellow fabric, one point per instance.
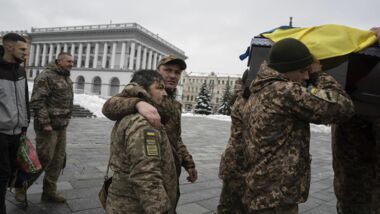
{"type": "Point", "coordinates": [329, 40]}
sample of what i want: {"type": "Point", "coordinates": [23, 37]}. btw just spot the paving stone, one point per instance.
{"type": "Point", "coordinates": [80, 204]}
{"type": "Point", "coordinates": [192, 208]}
{"type": "Point", "coordinates": [61, 186]}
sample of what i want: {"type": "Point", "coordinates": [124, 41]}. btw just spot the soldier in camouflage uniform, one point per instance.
{"type": "Point", "coordinates": [52, 102]}
{"type": "Point", "coordinates": [232, 161]}
{"type": "Point", "coordinates": [277, 117]}
{"type": "Point", "coordinates": [356, 163]}
{"type": "Point", "coordinates": [129, 100]}
{"type": "Point", "coordinates": [145, 177]}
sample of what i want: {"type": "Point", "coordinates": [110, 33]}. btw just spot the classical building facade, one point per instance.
{"type": "Point", "coordinates": [105, 55]}
{"type": "Point", "coordinates": [216, 85]}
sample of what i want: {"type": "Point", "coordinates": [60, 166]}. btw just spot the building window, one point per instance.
{"type": "Point", "coordinates": [187, 97]}
{"type": "Point", "coordinates": [114, 86]}
{"type": "Point", "coordinates": [80, 84]}
{"type": "Point", "coordinates": [191, 98]}
{"type": "Point", "coordinates": [96, 85]}
{"type": "Point", "coordinates": [30, 73]}
{"type": "Point", "coordinates": [217, 99]}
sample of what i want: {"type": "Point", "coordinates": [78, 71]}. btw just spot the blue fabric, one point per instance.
{"type": "Point", "coordinates": [245, 55]}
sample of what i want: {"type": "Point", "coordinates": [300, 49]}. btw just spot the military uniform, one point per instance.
{"type": "Point", "coordinates": [277, 117]}
{"type": "Point", "coordinates": [232, 163]}
{"type": "Point", "coordinates": [52, 102]}
{"type": "Point", "coordinates": [118, 106]}
{"type": "Point", "coordinates": [356, 164]}
{"type": "Point", "coordinates": [145, 178]}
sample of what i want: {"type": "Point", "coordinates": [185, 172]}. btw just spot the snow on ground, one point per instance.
{"type": "Point", "coordinates": [94, 103]}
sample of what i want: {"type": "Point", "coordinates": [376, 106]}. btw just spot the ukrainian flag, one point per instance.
{"type": "Point", "coordinates": [327, 41]}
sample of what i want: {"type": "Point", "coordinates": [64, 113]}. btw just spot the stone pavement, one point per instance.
{"type": "Point", "coordinates": [88, 149]}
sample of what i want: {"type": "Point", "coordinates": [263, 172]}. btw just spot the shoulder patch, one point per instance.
{"type": "Point", "coordinates": [329, 96]}
{"type": "Point", "coordinates": [151, 143]}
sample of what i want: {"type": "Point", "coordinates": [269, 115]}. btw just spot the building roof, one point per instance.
{"type": "Point", "coordinates": [122, 27]}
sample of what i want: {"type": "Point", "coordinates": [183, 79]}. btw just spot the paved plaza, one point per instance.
{"type": "Point", "coordinates": [88, 149]}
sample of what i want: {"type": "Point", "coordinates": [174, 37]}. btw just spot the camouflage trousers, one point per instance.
{"type": "Point", "coordinates": [51, 147]}
{"type": "Point", "coordinates": [356, 164]}
{"type": "Point", "coordinates": [230, 197]}
{"type": "Point", "coordinates": [290, 209]}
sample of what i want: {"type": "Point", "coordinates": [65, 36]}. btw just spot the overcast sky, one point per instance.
{"type": "Point", "coordinates": [213, 33]}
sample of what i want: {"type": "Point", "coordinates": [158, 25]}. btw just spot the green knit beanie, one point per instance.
{"type": "Point", "coordinates": [288, 55]}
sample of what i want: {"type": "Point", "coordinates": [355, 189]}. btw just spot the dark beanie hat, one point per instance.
{"type": "Point", "coordinates": [288, 55]}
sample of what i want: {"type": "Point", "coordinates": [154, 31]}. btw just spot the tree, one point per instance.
{"type": "Point", "coordinates": [225, 106]}
{"type": "Point", "coordinates": [203, 105]}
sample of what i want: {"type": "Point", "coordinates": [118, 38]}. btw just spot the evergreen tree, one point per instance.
{"type": "Point", "coordinates": [225, 107]}
{"type": "Point", "coordinates": [203, 105]}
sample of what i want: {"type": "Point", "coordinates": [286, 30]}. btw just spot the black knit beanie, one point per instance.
{"type": "Point", "coordinates": [288, 55]}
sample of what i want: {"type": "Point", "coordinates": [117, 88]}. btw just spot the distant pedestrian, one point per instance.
{"type": "Point", "coordinates": [52, 102]}
{"type": "Point", "coordinates": [14, 108]}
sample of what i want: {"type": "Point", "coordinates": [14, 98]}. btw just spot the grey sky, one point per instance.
{"type": "Point", "coordinates": [213, 33]}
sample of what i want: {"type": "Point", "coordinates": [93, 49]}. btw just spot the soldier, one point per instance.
{"type": "Point", "coordinates": [52, 102]}
{"type": "Point", "coordinates": [356, 162]}
{"type": "Point", "coordinates": [145, 178]}
{"type": "Point", "coordinates": [277, 117]}
{"type": "Point", "coordinates": [128, 101]}
{"type": "Point", "coordinates": [14, 111]}
{"type": "Point", "coordinates": [232, 162]}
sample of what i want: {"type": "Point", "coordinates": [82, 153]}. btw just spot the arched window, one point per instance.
{"type": "Point", "coordinates": [80, 84]}
{"type": "Point", "coordinates": [96, 85]}
{"type": "Point", "coordinates": [114, 86]}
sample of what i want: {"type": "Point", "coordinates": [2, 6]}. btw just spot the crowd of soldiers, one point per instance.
{"type": "Point", "coordinates": [266, 165]}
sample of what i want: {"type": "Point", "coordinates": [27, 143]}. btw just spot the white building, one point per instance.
{"type": "Point", "coordinates": [105, 55]}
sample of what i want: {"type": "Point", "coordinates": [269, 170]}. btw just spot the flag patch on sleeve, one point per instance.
{"type": "Point", "coordinates": [151, 143]}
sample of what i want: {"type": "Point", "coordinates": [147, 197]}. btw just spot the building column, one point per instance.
{"type": "Point", "coordinates": [96, 52]}
{"type": "Point", "coordinates": [144, 58]}
{"type": "Point", "coordinates": [138, 58]}
{"type": "Point", "coordinates": [132, 56]}
{"type": "Point", "coordinates": [58, 50]}
{"type": "Point", "coordinates": [122, 55]}
{"type": "Point", "coordinates": [113, 54]}
{"type": "Point", "coordinates": [150, 59]}
{"type": "Point", "coordinates": [44, 51]}
{"type": "Point", "coordinates": [104, 60]}
{"type": "Point", "coordinates": [88, 49]}
{"type": "Point", "coordinates": [51, 50]}
{"type": "Point", "coordinates": [37, 59]}
{"type": "Point", "coordinates": [65, 47]}
{"type": "Point", "coordinates": [31, 55]}
{"type": "Point", "coordinates": [72, 51]}
{"type": "Point", "coordinates": [79, 60]}
{"type": "Point", "coordinates": [155, 60]}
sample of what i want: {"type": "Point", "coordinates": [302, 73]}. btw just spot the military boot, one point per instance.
{"type": "Point", "coordinates": [20, 194]}
{"type": "Point", "coordinates": [54, 197]}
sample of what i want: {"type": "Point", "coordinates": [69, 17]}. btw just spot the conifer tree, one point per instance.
{"type": "Point", "coordinates": [203, 105]}
{"type": "Point", "coordinates": [225, 107]}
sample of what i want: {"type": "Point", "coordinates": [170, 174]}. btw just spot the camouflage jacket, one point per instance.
{"type": "Point", "coordinates": [232, 160]}
{"type": "Point", "coordinates": [118, 106]}
{"type": "Point", "coordinates": [52, 97]}
{"type": "Point", "coordinates": [277, 117]}
{"type": "Point", "coordinates": [143, 165]}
